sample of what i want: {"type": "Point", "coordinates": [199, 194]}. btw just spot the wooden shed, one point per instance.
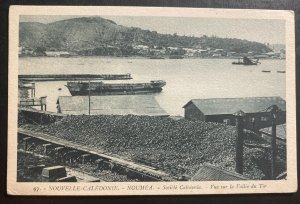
{"type": "Point", "coordinates": [221, 110]}
{"type": "Point", "coordinates": [110, 105]}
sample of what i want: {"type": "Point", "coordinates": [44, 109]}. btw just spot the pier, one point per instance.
{"type": "Point", "coordinates": [42, 102]}
{"type": "Point", "coordinates": [63, 77]}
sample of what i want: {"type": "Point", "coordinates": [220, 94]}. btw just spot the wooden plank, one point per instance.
{"type": "Point", "coordinates": [269, 135]}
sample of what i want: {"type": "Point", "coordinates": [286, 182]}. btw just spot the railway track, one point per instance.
{"type": "Point", "coordinates": [91, 160]}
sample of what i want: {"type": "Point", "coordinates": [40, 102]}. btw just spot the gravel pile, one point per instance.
{"type": "Point", "coordinates": [177, 147]}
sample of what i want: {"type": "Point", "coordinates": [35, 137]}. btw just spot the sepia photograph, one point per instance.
{"type": "Point", "coordinates": [133, 101]}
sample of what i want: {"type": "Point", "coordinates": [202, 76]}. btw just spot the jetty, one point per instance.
{"type": "Point", "coordinates": [63, 77]}
{"type": "Point", "coordinates": [29, 102]}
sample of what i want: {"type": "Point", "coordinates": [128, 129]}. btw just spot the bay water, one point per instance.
{"type": "Point", "coordinates": [186, 78]}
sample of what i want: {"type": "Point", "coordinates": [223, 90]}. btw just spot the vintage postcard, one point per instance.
{"type": "Point", "coordinates": [151, 101]}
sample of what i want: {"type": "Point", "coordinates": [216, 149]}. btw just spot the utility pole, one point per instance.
{"type": "Point", "coordinates": [274, 118]}
{"type": "Point", "coordinates": [239, 145]}
{"type": "Point", "coordinates": [89, 96]}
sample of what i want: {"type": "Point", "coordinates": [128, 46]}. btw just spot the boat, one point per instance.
{"type": "Point", "coordinates": [175, 57]}
{"type": "Point", "coordinates": [280, 71]}
{"type": "Point", "coordinates": [156, 57]}
{"type": "Point", "coordinates": [246, 61]}
{"type": "Point", "coordinates": [266, 71]}
{"type": "Point", "coordinates": [101, 88]}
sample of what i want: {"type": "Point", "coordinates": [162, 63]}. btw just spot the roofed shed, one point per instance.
{"type": "Point", "coordinates": [110, 105]}
{"type": "Point", "coordinates": [221, 110]}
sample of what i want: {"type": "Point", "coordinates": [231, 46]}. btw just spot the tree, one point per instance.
{"type": "Point", "coordinates": [40, 51]}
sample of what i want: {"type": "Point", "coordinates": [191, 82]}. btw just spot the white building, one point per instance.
{"type": "Point", "coordinates": [56, 53]}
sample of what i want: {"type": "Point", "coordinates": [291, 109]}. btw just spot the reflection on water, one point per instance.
{"type": "Point", "coordinates": [186, 78]}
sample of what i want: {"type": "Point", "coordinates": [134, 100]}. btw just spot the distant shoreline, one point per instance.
{"type": "Point", "coordinates": [140, 57]}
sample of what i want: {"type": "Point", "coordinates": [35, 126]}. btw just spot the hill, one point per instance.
{"type": "Point", "coordinates": [99, 36]}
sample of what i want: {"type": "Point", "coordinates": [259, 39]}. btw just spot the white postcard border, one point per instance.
{"type": "Point", "coordinates": [150, 188]}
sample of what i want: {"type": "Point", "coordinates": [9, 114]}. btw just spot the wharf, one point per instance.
{"type": "Point", "coordinates": [42, 102]}
{"type": "Point", "coordinates": [63, 77]}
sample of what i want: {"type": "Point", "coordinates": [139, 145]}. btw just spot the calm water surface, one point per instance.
{"type": "Point", "coordinates": [186, 78]}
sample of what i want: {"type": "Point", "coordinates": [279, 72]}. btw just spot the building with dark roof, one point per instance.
{"type": "Point", "coordinates": [212, 173]}
{"type": "Point", "coordinates": [221, 110]}
{"type": "Point", "coordinates": [110, 105]}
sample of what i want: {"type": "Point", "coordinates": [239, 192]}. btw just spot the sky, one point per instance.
{"type": "Point", "coordinates": [259, 30]}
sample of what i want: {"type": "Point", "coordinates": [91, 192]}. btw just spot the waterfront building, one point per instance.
{"type": "Point", "coordinates": [56, 53]}
{"type": "Point", "coordinates": [221, 110]}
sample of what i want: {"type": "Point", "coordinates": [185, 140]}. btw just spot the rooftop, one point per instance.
{"type": "Point", "coordinates": [216, 106]}
{"type": "Point", "coordinates": [111, 105]}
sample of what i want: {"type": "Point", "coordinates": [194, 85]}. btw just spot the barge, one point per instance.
{"type": "Point", "coordinates": [62, 77]}
{"type": "Point", "coordinates": [101, 88]}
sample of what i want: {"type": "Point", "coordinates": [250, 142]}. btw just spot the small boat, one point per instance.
{"type": "Point", "coordinates": [280, 71]}
{"type": "Point", "coordinates": [65, 55]}
{"type": "Point", "coordinates": [59, 89]}
{"type": "Point", "coordinates": [266, 71]}
{"type": "Point", "coordinates": [246, 61]}
{"type": "Point", "coordinates": [156, 57]}
{"type": "Point", "coordinates": [175, 57]}
{"type": "Point", "coordinates": [100, 88]}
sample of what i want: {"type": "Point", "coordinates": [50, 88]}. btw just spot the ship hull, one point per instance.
{"type": "Point", "coordinates": [115, 92]}
{"type": "Point", "coordinates": [98, 88]}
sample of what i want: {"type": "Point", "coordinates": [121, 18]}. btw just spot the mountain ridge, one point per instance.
{"type": "Point", "coordinates": [88, 33]}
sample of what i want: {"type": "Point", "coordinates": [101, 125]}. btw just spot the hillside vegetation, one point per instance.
{"type": "Point", "coordinates": [99, 36]}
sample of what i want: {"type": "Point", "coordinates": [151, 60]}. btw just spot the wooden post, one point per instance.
{"type": "Point", "coordinates": [99, 163]}
{"type": "Point", "coordinates": [239, 151]}
{"type": "Point", "coordinates": [84, 158]}
{"type": "Point", "coordinates": [33, 89]}
{"type": "Point", "coordinates": [46, 148]}
{"type": "Point", "coordinates": [25, 140]}
{"type": "Point", "coordinates": [274, 117]}
{"type": "Point", "coordinates": [89, 97]}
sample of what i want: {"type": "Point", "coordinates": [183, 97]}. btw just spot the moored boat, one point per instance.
{"type": "Point", "coordinates": [246, 61]}
{"type": "Point", "coordinates": [156, 57]}
{"type": "Point", "coordinates": [100, 88]}
{"type": "Point", "coordinates": [176, 57]}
